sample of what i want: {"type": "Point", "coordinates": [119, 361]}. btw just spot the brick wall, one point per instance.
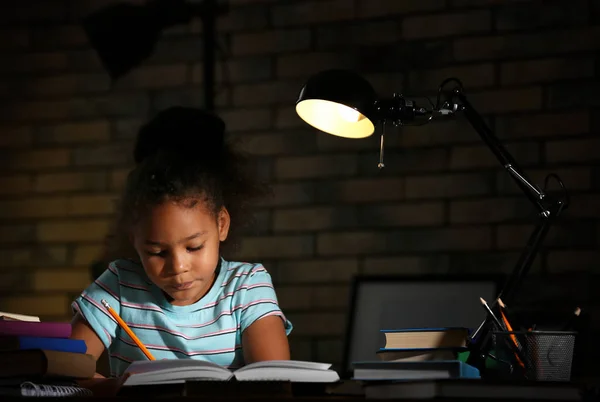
{"type": "Point", "coordinates": [441, 205]}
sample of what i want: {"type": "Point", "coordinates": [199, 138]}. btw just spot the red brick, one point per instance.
{"type": "Point", "coordinates": [472, 76]}
{"type": "Point", "coordinates": [309, 12]}
{"type": "Point", "coordinates": [437, 133]}
{"type": "Point", "coordinates": [543, 125]}
{"type": "Point", "coordinates": [401, 160]}
{"type": "Point", "coordinates": [187, 96]}
{"type": "Point", "coordinates": [68, 84]}
{"type": "Point", "coordinates": [33, 208]}
{"type": "Point", "coordinates": [103, 155]}
{"type": "Point", "coordinates": [256, 68]}
{"type": "Point", "coordinates": [546, 70]}
{"type": "Point", "coordinates": [402, 215]}
{"type": "Point", "coordinates": [79, 230]}
{"type": "Point", "coordinates": [584, 206]}
{"type": "Point", "coordinates": [37, 159]}
{"type": "Point", "coordinates": [72, 279]}
{"type": "Point", "coordinates": [92, 131]}
{"type": "Point", "coordinates": [507, 100]}
{"type": "Point", "coordinates": [533, 44]}
{"type": "Point", "coordinates": [118, 178]}
{"type": "Point", "coordinates": [535, 16]}
{"type": "Point", "coordinates": [34, 12]}
{"type": "Point", "coordinates": [15, 137]}
{"type": "Point", "coordinates": [86, 254]}
{"type": "Point", "coordinates": [38, 305]}
{"type": "Point", "coordinates": [269, 93]}
{"type": "Point", "coordinates": [361, 190]}
{"type": "Point", "coordinates": [291, 142]}
{"type": "Point", "coordinates": [14, 38]}
{"type": "Point", "coordinates": [34, 62]}
{"type": "Point", "coordinates": [405, 265]}
{"type": "Point", "coordinates": [488, 263]}
{"type": "Point", "coordinates": [261, 247]}
{"type": "Point", "coordinates": [480, 156]}
{"type": "Point", "coordinates": [490, 210]}
{"type": "Point", "coordinates": [91, 205]}
{"type": "Point", "coordinates": [64, 36]}
{"type": "Point", "coordinates": [574, 178]}
{"type": "Point", "coordinates": [411, 240]}
{"type": "Point", "coordinates": [126, 129]}
{"type": "Point", "coordinates": [468, 3]}
{"type": "Point", "coordinates": [351, 243]}
{"type": "Point", "coordinates": [306, 64]}
{"type": "Point", "coordinates": [317, 271]}
{"type": "Point", "coordinates": [17, 233]}
{"type": "Point", "coordinates": [448, 185]}
{"type": "Point", "coordinates": [150, 77]}
{"type": "Point", "coordinates": [184, 49]}
{"type": "Point", "coordinates": [572, 260]}
{"type": "Point", "coordinates": [296, 167]}
{"type": "Point", "coordinates": [359, 33]}
{"type": "Point", "coordinates": [252, 17]}
{"type": "Point", "coordinates": [303, 298]}
{"type": "Point", "coordinates": [444, 25]}
{"type": "Point", "coordinates": [290, 194]}
{"type": "Point", "coordinates": [564, 234]}
{"type": "Point", "coordinates": [318, 324]}
{"type": "Point", "coordinates": [334, 143]}
{"type": "Point", "coordinates": [274, 41]}
{"type": "Point", "coordinates": [246, 119]}
{"type": "Point", "coordinates": [379, 8]}
{"type": "Point", "coordinates": [70, 181]}
{"type": "Point", "coordinates": [577, 151]}
{"type": "Point", "coordinates": [314, 218]}
{"type": "Point", "coordinates": [286, 117]}
{"type": "Point", "coordinates": [33, 256]}
{"type": "Point", "coordinates": [15, 184]}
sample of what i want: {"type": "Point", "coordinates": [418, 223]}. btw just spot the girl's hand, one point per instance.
{"type": "Point", "coordinates": [104, 386]}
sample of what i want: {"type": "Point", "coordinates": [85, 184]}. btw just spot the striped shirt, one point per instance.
{"type": "Point", "coordinates": [209, 329]}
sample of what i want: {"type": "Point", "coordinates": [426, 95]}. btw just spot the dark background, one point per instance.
{"type": "Point", "coordinates": [441, 205]}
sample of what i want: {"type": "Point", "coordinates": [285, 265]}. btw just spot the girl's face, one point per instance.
{"type": "Point", "coordinates": [178, 245]}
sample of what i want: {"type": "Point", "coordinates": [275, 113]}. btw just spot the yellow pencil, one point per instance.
{"type": "Point", "coordinates": [127, 329]}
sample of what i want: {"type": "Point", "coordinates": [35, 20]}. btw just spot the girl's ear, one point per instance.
{"type": "Point", "coordinates": [223, 221]}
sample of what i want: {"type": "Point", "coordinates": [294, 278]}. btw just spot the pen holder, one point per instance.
{"type": "Point", "coordinates": [546, 355]}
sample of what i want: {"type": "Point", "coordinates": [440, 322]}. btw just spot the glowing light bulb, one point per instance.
{"type": "Point", "coordinates": [348, 114]}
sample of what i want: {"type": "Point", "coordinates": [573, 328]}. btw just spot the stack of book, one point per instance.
{"type": "Point", "coordinates": [418, 354]}
{"type": "Point", "coordinates": [38, 358]}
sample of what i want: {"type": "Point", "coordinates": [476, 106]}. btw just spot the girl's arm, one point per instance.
{"type": "Point", "coordinates": [99, 385]}
{"type": "Point", "coordinates": [265, 339]}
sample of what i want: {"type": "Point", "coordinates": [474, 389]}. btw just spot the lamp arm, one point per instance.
{"type": "Point", "coordinates": [548, 207]}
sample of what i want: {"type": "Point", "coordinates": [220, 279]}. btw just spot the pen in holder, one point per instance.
{"type": "Point", "coordinates": [547, 355]}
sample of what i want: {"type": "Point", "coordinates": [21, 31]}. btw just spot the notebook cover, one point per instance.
{"type": "Point", "coordinates": [34, 342]}
{"type": "Point", "coordinates": [39, 329]}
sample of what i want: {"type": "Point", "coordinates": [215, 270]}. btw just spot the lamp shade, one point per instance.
{"type": "Point", "coordinates": [339, 102]}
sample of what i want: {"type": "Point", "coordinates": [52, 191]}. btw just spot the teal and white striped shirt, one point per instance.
{"type": "Point", "coordinates": [210, 329]}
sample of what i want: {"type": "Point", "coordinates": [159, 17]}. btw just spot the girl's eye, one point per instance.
{"type": "Point", "coordinates": [156, 253]}
{"type": "Point", "coordinates": [192, 249]}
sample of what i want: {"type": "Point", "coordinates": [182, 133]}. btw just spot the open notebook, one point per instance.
{"type": "Point", "coordinates": [177, 371]}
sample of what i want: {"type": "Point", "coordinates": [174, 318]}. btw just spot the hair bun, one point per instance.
{"type": "Point", "coordinates": [181, 130]}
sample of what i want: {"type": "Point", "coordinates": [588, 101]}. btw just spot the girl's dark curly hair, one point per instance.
{"type": "Point", "coordinates": [181, 155]}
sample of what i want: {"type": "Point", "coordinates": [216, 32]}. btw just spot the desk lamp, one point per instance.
{"type": "Point", "coordinates": [342, 103]}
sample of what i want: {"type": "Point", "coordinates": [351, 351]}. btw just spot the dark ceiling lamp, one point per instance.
{"type": "Point", "coordinates": [125, 34]}
{"type": "Point", "coordinates": [343, 103]}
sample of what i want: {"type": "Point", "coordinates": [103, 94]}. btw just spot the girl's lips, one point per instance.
{"type": "Point", "coordinates": [182, 286]}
